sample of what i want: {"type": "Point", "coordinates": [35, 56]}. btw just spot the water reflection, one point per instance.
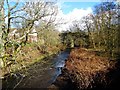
{"type": "Point", "coordinates": [46, 74]}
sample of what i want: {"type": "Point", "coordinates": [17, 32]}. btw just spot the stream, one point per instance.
{"type": "Point", "coordinates": [43, 75]}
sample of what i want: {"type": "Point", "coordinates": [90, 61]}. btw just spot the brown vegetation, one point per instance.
{"type": "Point", "coordinates": [88, 70]}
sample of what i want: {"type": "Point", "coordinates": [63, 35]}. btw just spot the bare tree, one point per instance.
{"type": "Point", "coordinates": [90, 29]}
{"type": "Point", "coordinates": [26, 16]}
{"type": "Point", "coordinates": [38, 11]}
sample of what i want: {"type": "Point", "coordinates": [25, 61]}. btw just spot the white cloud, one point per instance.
{"type": "Point", "coordinates": [75, 15]}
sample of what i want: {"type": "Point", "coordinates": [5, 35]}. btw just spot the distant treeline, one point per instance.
{"type": "Point", "coordinates": [100, 30]}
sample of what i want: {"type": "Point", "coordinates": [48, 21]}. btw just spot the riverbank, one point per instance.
{"type": "Point", "coordinates": [29, 54]}
{"type": "Point", "coordinates": [85, 70]}
{"type": "Point", "coordinates": [40, 74]}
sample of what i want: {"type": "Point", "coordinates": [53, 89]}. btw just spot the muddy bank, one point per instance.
{"type": "Point", "coordinates": [85, 70]}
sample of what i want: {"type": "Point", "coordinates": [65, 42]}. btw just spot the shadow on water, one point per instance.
{"type": "Point", "coordinates": [40, 75]}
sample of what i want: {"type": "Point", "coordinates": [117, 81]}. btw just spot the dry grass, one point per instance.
{"type": "Point", "coordinates": [86, 68]}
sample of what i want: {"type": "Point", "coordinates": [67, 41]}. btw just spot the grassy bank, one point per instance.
{"type": "Point", "coordinates": [30, 54]}
{"type": "Point", "coordinates": [32, 58]}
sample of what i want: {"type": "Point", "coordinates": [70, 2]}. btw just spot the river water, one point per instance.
{"type": "Point", "coordinates": [43, 75]}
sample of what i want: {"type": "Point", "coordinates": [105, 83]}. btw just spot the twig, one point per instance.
{"type": "Point", "coordinates": [18, 83]}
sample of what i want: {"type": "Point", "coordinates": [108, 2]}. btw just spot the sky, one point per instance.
{"type": "Point", "coordinates": [69, 6]}
{"type": "Point", "coordinates": [74, 11]}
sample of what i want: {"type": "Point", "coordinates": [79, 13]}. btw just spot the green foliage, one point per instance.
{"type": "Point", "coordinates": [74, 39]}
{"type": "Point", "coordinates": [48, 36]}
{"type": "Point", "coordinates": [107, 28]}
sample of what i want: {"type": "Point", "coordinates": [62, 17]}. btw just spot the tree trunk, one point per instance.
{"type": "Point", "coordinates": [1, 32]}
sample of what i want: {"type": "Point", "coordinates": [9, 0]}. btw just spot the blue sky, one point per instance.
{"type": "Point", "coordinates": [72, 11]}
{"type": "Point", "coordinates": [69, 6]}
{"type": "Point", "coordinates": [75, 11]}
